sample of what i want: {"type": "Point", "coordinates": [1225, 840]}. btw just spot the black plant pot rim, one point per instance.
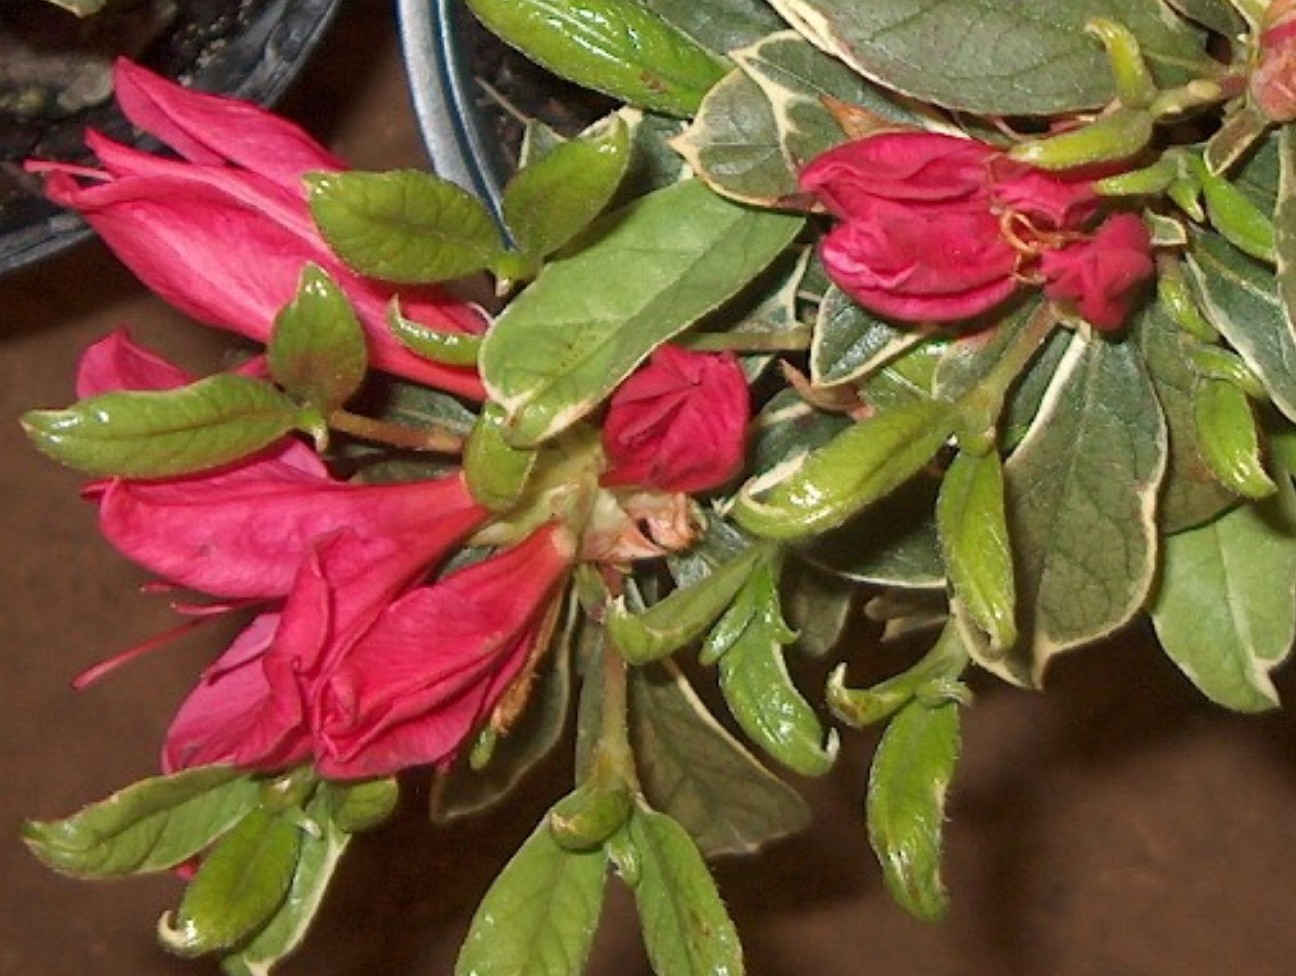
{"type": "Point", "coordinates": [257, 65]}
{"type": "Point", "coordinates": [459, 140]}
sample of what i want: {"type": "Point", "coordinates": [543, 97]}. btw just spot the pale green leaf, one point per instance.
{"type": "Point", "coordinates": [403, 225]}
{"type": "Point", "coordinates": [906, 803]}
{"type": "Point", "coordinates": [239, 887]}
{"type": "Point", "coordinates": [320, 855]}
{"type": "Point", "coordinates": [757, 686]}
{"type": "Point", "coordinates": [539, 916]}
{"type": "Point", "coordinates": [1225, 609]}
{"type": "Point", "coordinates": [993, 58]}
{"type": "Point", "coordinates": [163, 433]}
{"type": "Point", "coordinates": [584, 325]}
{"type": "Point", "coordinates": [686, 928]}
{"type": "Point", "coordinates": [693, 770]}
{"type": "Point", "coordinates": [317, 349]}
{"type": "Point", "coordinates": [152, 825]}
{"type": "Point", "coordinates": [1082, 494]}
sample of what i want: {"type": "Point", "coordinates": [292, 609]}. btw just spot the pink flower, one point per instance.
{"type": "Point", "coordinates": [366, 686]}
{"type": "Point", "coordinates": [224, 234]}
{"type": "Point", "coordinates": [678, 424]}
{"type": "Point", "coordinates": [243, 531]}
{"type": "Point", "coordinates": [1101, 275]}
{"type": "Point", "coordinates": [938, 228]}
{"type": "Point", "coordinates": [1273, 80]}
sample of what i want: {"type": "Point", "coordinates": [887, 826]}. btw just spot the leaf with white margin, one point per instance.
{"type": "Point", "coordinates": [1082, 499]}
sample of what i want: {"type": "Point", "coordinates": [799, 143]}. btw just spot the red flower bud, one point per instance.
{"type": "Point", "coordinates": [1101, 274]}
{"type": "Point", "coordinates": [678, 424]}
{"type": "Point", "coordinates": [1273, 80]}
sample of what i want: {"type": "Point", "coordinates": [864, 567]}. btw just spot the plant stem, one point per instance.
{"type": "Point", "coordinates": [397, 435]}
{"type": "Point", "coordinates": [613, 756]}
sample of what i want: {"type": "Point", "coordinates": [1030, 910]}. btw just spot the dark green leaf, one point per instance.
{"type": "Point", "coordinates": [850, 342]}
{"type": "Point", "coordinates": [320, 855]}
{"type": "Point", "coordinates": [818, 606]}
{"type": "Point", "coordinates": [1082, 492]}
{"type": "Point", "coordinates": [150, 826]}
{"type": "Point", "coordinates": [546, 204]}
{"type": "Point", "coordinates": [735, 147]}
{"type": "Point", "coordinates": [619, 47]}
{"type": "Point", "coordinates": [404, 225]}
{"type": "Point", "coordinates": [1219, 15]}
{"type": "Point", "coordinates": [1240, 298]}
{"type": "Point", "coordinates": [987, 57]}
{"type": "Point", "coordinates": [317, 349]}
{"type": "Point", "coordinates": [1225, 610]}
{"type": "Point", "coordinates": [756, 684]}
{"type": "Point", "coordinates": [906, 803]}
{"type": "Point", "coordinates": [1285, 227]}
{"type": "Point", "coordinates": [162, 433]}
{"type": "Point", "coordinates": [239, 887]}
{"type": "Point", "coordinates": [686, 929]}
{"type": "Point", "coordinates": [720, 25]}
{"type": "Point", "coordinates": [693, 770]}
{"type": "Point", "coordinates": [567, 341]}
{"type": "Point", "coordinates": [539, 917]}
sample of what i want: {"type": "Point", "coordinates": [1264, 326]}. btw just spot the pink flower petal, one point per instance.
{"type": "Point", "coordinates": [1102, 275]}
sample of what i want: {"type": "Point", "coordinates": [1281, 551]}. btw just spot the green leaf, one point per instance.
{"type": "Point", "coordinates": [653, 164]}
{"type": "Point", "coordinates": [720, 25]}
{"type": "Point", "coordinates": [686, 929]}
{"type": "Point", "coordinates": [1219, 15]}
{"type": "Point", "coordinates": [358, 806]}
{"type": "Point", "coordinates": [449, 348]}
{"type": "Point", "coordinates": [891, 543]}
{"type": "Point", "coordinates": [1082, 492]}
{"type": "Point", "coordinates": [239, 887]}
{"type": "Point", "coordinates": [320, 855]}
{"type": "Point", "coordinates": [986, 57]}
{"type": "Point", "coordinates": [150, 826]}
{"type": "Point", "coordinates": [567, 341]}
{"type": "Point", "coordinates": [734, 144]}
{"type": "Point", "coordinates": [1229, 440]}
{"type": "Point", "coordinates": [317, 349]}
{"type": "Point", "coordinates": [818, 605]}
{"type": "Point", "coordinates": [800, 80]}
{"type": "Point", "coordinates": [935, 677]}
{"type": "Point", "coordinates": [404, 225]}
{"type": "Point", "coordinates": [693, 770]}
{"type": "Point", "coordinates": [1190, 493]}
{"type": "Point", "coordinates": [850, 342]}
{"type": "Point", "coordinates": [757, 687]}
{"type": "Point", "coordinates": [546, 204]}
{"type": "Point", "coordinates": [163, 433]}
{"type": "Point", "coordinates": [589, 815]}
{"type": "Point", "coordinates": [1285, 227]}
{"type": "Point", "coordinates": [1225, 610]}
{"type": "Point", "coordinates": [906, 803]}
{"type": "Point", "coordinates": [539, 917]}
{"type": "Point", "coordinates": [684, 615]}
{"type": "Point", "coordinates": [858, 467]}
{"type": "Point", "coordinates": [82, 8]}
{"type": "Point", "coordinates": [1239, 297]}
{"type": "Point", "coordinates": [619, 47]}
{"type": "Point", "coordinates": [497, 472]}
{"type": "Point", "coordinates": [974, 539]}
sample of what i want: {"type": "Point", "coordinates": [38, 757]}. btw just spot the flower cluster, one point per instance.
{"type": "Point", "coordinates": [940, 228]}
{"type": "Point", "coordinates": [355, 662]}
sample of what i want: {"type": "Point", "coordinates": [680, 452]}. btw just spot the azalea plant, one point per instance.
{"type": "Point", "coordinates": [978, 318]}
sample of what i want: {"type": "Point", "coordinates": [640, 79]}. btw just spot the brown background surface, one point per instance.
{"type": "Point", "coordinates": [1118, 825]}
